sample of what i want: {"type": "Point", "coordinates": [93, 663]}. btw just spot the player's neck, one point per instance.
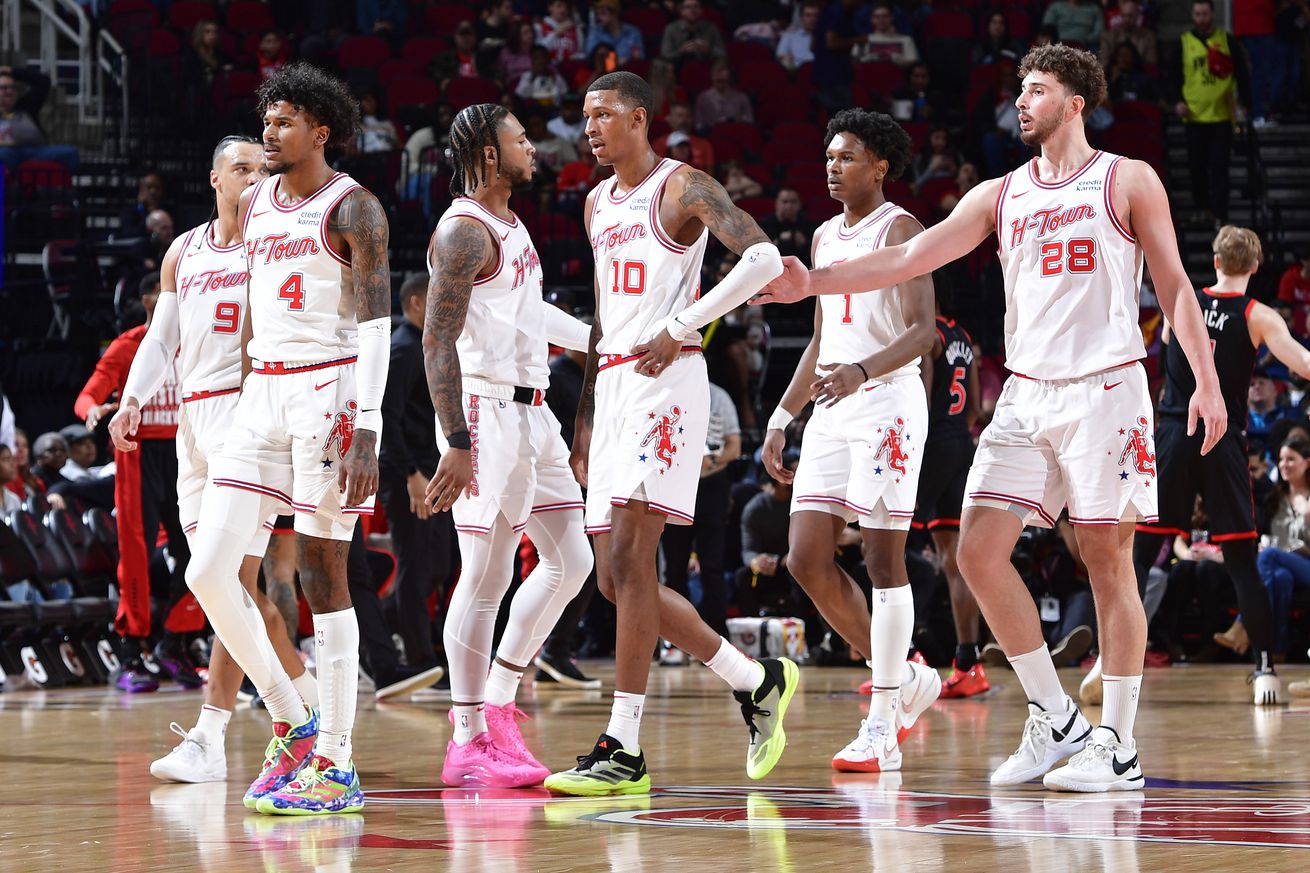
{"type": "Point", "coordinates": [633, 171]}
{"type": "Point", "coordinates": [225, 229]}
{"type": "Point", "coordinates": [304, 179]}
{"type": "Point", "coordinates": [1065, 153]}
{"type": "Point", "coordinates": [494, 199]}
{"type": "Point", "coordinates": [862, 207]}
{"type": "Point", "coordinates": [1225, 284]}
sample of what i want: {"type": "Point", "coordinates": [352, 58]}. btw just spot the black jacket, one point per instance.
{"type": "Point", "coordinates": [409, 430]}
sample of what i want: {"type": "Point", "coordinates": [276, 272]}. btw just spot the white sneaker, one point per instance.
{"type": "Point", "coordinates": [195, 759]}
{"type": "Point", "coordinates": [1048, 738]}
{"type": "Point", "coordinates": [1091, 692]}
{"type": "Point", "coordinates": [1105, 764]}
{"type": "Point", "coordinates": [916, 695]}
{"type": "Point", "coordinates": [874, 750]}
{"type": "Point", "coordinates": [1268, 688]}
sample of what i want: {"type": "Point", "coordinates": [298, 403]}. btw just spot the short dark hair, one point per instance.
{"type": "Point", "coordinates": [149, 284]}
{"type": "Point", "coordinates": [234, 139]}
{"type": "Point", "coordinates": [631, 87]}
{"type": "Point", "coordinates": [1076, 69]}
{"type": "Point", "coordinates": [320, 95]}
{"type": "Point", "coordinates": [412, 287]}
{"type": "Point", "coordinates": [879, 133]}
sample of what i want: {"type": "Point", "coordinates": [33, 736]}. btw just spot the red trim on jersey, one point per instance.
{"type": "Point", "coordinates": [514, 223]}
{"type": "Point", "coordinates": [1032, 172]}
{"type": "Point", "coordinates": [323, 230]}
{"type": "Point", "coordinates": [181, 256]}
{"type": "Point", "coordinates": [948, 523]}
{"type": "Point", "coordinates": [1022, 501]}
{"type": "Point", "coordinates": [1077, 378]}
{"type": "Point", "coordinates": [209, 241]}
{"type": "Point", "coordinates": [242, 485]}
{"type": "Point", "coordinates": [663, 238]}
{"type": "Point", "coordinates": [658, 507]}
{"type": "Point", "coordinates": [1109, 203]}
{"type": "Point", "coordinates": [825, 498]}
{"type": "Point", "coordinates": [635, 188]}
{"type": "Point", "coordinates": [856, 230]}
{"type": "Point", "coordinates": [250, 206]}
{"type": "Point", "coordinates": [275, 368]}
{"type": "Point", "coordinates": [472, 528]}
{"type": "Point", "coordinates": [886, 228]}
{"type": "Point", "coordinates": [1250, 304]}
{"type": "Point", "coordinates": [303, 202]}
{"type": "Point", "coordinates": [1000, 199]}
{"type": "Point", "coordinates": [555, 507]}
{"type": "Point", "coordinates": [1229, 537]}
{"type": "Point", "coordinates": [1222, 295]}
{"type": "Point", "coordinates": [608, 361]}
{"type": "Point", "coordinates": [597, 529]}
{"type": "Point", "coordinates": [205, 395]}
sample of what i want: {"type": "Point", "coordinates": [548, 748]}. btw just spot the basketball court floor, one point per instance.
{"type": "Point", "coordinates": [1228, 789]}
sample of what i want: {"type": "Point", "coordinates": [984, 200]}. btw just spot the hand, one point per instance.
{"type": "Point", "coordinates": [708, 464]}
{"type": "Point", "coordinates": [792, 285]}
{"type": "Point", "coordinates": [1181, 109]}
{"type": "Point", "coordinates": [358, 477]}
{"type": "Point", "coordinates": [580, 453]}
{"type": "Point", "coordinates": [842, 380]}
{"type": "Point", "coordinates": [124, 425]}
{"type": "Point", "coordinates": [56, 501]}
{"type": "Point", "coordinates": [657, 354]}
{"type": "Point", "coordinates": [451, 481]}
{"type": "Point", "coordinates": [416, 484]}
{"type": "Point", "coordinates": [774, 442]}
{"type": "Point", "coordinates": [1208, 406]}
{"type": "Point", "coordinates": [98, 412]}
{"type": "Point", "coordinates": [764, 565]}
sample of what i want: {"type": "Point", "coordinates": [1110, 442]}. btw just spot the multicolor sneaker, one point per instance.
{"type": "Point", "coordinates": [320, 788]}
{"type": "Point", "coordinates": [177, 664]}
{"type": "Point", "coordinates": [763, 711]}
{"type": "Point", "coordinates": [287, 752]}
{"type": "Point", "coordinates": [503, 725]}
{"type": "Point", "coordinates": [134, 678]}
{"type": "Point", "coordinates": [965, 683]}
{"type": "Point", "coordinates": [609, 769]}
{"type": "Point", "coordinates": [481, 763]}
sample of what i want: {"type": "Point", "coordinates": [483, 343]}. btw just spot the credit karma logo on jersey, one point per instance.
{"type": "Point", "coordinates": [313, 219]}
{"type": "Point", "coordinates": [280, 247]}
{"type": "Point", "coordinates": [211, 280]}
{"type": "Point", "coordinates": [617, 235]}
{"type": "Point", "coordinates": [1048, 221]}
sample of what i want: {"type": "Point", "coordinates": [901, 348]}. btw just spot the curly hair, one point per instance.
{"type": "Point", "coordinates": [320, 95]}
{"type": "Point", "coordinates": [1077, 70]}
{"type": "Point", "coordinates": [880, 135]}
{"type": "Point", "coordinates": [475, 128]}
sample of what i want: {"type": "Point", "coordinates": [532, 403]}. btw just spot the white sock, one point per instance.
{"type": "Point", "coordinates": [283, 701]}
{"type": "Point", "coordinates": [891, 625]}
{"type": "Point", "coordinates": [1036, 672]}
{"type": "Point", "coordinates": [1119, 706]}
{"type": "Point", "coordinates": [337, 657]}
{"type": "Point", "coordinates": [213, 724]}
{"type": "Point", "coordinates": [625, 720]}
{"type": "Point", "coordinates": [730, 665]}
{"type": "Point", "coordinates": [502, 685]}
{"type": "Point", "coordinates": [470, 720]}
{"type": "Point", "coordinates": [307, 686]}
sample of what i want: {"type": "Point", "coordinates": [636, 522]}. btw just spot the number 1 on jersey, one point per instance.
{"type": "Point", "coordinates": [846, 316]}
{"type": "Point", "coordinates": [293, 292]}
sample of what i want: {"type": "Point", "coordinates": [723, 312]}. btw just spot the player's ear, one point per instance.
{"type": "Point", "coordinates": [639, 116]}
{"type": "Point", "coordinates": [213, 179]}
{"type": "Point", "coordinates": [1077, 104]}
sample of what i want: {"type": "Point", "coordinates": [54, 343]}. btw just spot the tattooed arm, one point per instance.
{"type": "Point", "coordinates": [461, 250]}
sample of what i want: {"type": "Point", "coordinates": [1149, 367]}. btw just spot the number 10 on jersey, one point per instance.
{"type": "Point", "coordinates": [627, 277]}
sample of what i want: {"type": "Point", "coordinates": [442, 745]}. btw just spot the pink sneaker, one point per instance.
{"type": "Point", "coordinates": [503, 725]}
{"type": "Point", "coordinates": [481, 764]}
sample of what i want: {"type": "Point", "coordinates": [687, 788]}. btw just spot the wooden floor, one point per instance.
{"type": "Point", "coordinates": [1229, 790]}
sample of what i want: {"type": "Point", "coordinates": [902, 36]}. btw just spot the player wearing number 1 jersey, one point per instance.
{"type": "Point", "coordinates": [1073, 424]}
{"type": "Point", "coordinates": [198, 321]}
{"type": "Point", "coordinates": [306, 429]}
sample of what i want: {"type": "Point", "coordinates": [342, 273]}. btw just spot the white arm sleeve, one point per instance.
{"type": "Point", "coordinates": [759, 265]}
{"type": "Point", "coordinates": [155, 355]}
{"type": "Point", "coordinates": [371, 372]}
{"type": "Point", "coordinates": [564, 330]}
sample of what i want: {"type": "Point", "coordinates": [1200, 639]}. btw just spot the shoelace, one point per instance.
{"type": "Point", "coordinates": [308, 777]}
{"type": "Point", "coordinates": [1035, 731]}
{"type": "Point", "coordinates": [275, 745]}
{"type": "Point", "coordinates": [1093, 754]}
{"type": "Point", "coordinates": [872, 735]}
{"type": "Point", "coordinates": [186, 737]}
{"type": "Point", "coordinates": [748, 713]}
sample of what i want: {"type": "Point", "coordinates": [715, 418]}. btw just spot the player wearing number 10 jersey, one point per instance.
{"type": "Point", "coordinates": [1073, 425]}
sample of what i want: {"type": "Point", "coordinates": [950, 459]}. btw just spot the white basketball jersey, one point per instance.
{"type": "Point", "coordinates": [643, 275]}
{"type": "Point", "coordinates": [504, 338]}
{"type": "Point", "coordinates": [211, 301]}
{"type": "Point", "coordinates": [299, 308]}
{"type": "Point", "coordinates": [855, 326]}
{"type": "Point", "coordinates": [1072, 274]}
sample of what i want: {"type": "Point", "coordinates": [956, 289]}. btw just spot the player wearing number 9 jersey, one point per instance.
{"type": "Point", "coordinates": [1073, 425]}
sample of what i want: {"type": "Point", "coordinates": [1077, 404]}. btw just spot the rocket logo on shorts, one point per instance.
{"type": "Point", "coordinates": [891, 447]}
{"type": "Point", "coordinates": [1137, 449]}
{"type": "Point", "coordinates": [343, 430]}
{"type": "Point", "coordinates": [661, 434]}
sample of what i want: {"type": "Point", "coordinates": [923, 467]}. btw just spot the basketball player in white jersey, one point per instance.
{"type": "Point", "coordinates": [504, 466]}
{"type": "Point", "coordinates": [646, 395]}
{"type": "Point", "coordinates": [1073, 424]}
{"type": "Point", "coordinates": [198, 319]}
{"type": "Point", "coordinates": [306, 430]}
{"type": "Point", "coordinates": [863, 446]}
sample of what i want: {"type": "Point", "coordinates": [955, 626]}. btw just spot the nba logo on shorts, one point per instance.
{"type": "Point", "coordinates": [1137, 449]}
{"type": "Point", "coordinates": [891, 447]}
{"type": "Point", "coordinates": [661, 433]}
{"type": "Point", "coordinates": [343, 430]}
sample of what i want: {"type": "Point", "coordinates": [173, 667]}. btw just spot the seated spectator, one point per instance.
{"type": "Point", "coordinates": [51, 456]}
{"type": "Point", "coordinates": [206, 58]}
{"type": "Point", "coordinates": [1285, 565]}
{"type": "Point", "coordinates": [764, 584]}
{"type": "Point", "coordinates": [1129, 27]}
{"type": "Point", "coordinates": [722, 102]}
{"type": "Point", "coordinates": [1262, 407]}
{"type": "Point", "coordinates": [679, 119]}
{"type": "Point", "coordinates": [1127, 80]}
{"type": "Point", "coordinates": [1294, 288]}
{"type": "Point", "coordinates": [787, 227]}
{"type": "Point", "coordinates": [82, 447]}
{"type": "Point", "coordinates": [21, 135]}
{"type": "Point", "coordinates": [384, 18]}
{"type": "Point", "coordinates": [578, 177]}
{"type": "Point", "coordinates": [796, 45]}
{"type": "Point", "coordinates": [1078, 21]}
{"type": "Point", "coordinates": [836, 37]}
{"type": "Point", "coordinates": [516, 56]}
{"type": "Point", "coordinates": [542, 85]}
{"type": "Point", "coordinates": [625, 39]}
{"type": "Point", "coordinates": [561, 32]}
{"type": "Point", "coordinates": [924, 103]}
{"type": "Point", "coordinates": [425, 157]}
{"type": "Point", "coordinates": [149, 250]}
{"type": "Point", "coordinates": [569, 124]}
{"type": "Point", "coordinates": [273, 54]}
{"type": "Point", "coordinates": [678, 147]}
{"type": "Point", "coordinates": [12, 488]}
{"type": "Point", "coordinates": [966, 179]}
{"type": "Point", "coordinates": [884, 43]}
{"type": "Point", "coordinates": [603, 61]}
{"type": "Point", "coordinates": [462, 61]}
{"type": "Point", "coordinates": [996, 41]}
{"type": "Point", "coordinates": [496, 26]}
{"type": "Point", "coordinates": [996, 121]}
{"type": "Point", "coordinates": [376, 132]}
{"type": "Point", "coordinates": [664, 88]}
{"type": "Point", "coordinates": [24, 484]}
{"type": "Point", "coordinates": [938, 159]}
{"type": "Point", "coordinates": [738, 184]}
{"type": "Point", "coordinates": [691, 36]}
{"type": "Point", "coordinates": [150, 196]}
{"type": "Point", "coordinates": [552, 151]}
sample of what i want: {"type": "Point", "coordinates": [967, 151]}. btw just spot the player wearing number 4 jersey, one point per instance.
{"type": "Point", "coordinates": [306, 429]}
{"type": "Point", "coordinates": [1073, 424]}
{"type": "Point", "coordinates": [863, 447]}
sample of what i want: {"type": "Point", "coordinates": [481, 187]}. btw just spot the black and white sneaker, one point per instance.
{"type": "Point", "coordinates": [404, 681]}
{"type": "Point", "coordinates": [564, 671]}
{"type": "Point", "coordinates": [1048, 738]}
{"type": "Point", "coordinates": [609, 769]}
{"type": "Point", "coordinates": [1106, 764]}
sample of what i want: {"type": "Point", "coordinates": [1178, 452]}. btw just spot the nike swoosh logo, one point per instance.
{"type": "Point", "coordinates": [505, 237]}
{"type": "Point", "coordinates": [257, 214]}
{"type": "Point", "coordinates": [1120, 769]}
{"type": "Point", "coordinates": [1061, 734]}
{"type": "Point", "coordinates": [1115, 385]}
{"type": "Point", "coordinates": [325, 384]}
{"type": "Point", "coordinates": [1016, 196]}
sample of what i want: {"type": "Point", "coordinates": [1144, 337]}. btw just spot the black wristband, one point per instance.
{"type": "Point", "coordinates": [862, 370]}
{"type": "Point", "coordinates": [459, 440]}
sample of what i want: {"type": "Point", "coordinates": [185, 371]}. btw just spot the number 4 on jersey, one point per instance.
{"type": "Point", "coordinates": [293, 292]}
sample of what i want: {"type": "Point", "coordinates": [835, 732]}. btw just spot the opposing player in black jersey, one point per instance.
{"type": "Point", "coordinates": [1238, 325]}
{"type": "Point", "coordinates": [951, 379]}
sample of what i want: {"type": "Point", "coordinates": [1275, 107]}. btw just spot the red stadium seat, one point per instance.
{"type": "Point", "coordinates": [648, 21]}
{"type": "Point", "coordinates": [879, 77]}
{"type": "Point", "coordinates": [244, 16]}
{"type": "Point", "coordinates": [129, 16]}
{"type": "Point", "coordinates": [778, 152]}
{"type": "Point", "coordinates": [756, 77]}
{"type": "Point", "coordinates": [746, 135]}
{"type": "Point", "coordinates": [695, 77]}
{"type": "Point", "coordinates": [391, 70]}
{"type": "Point", "coordinates": [1137, 112]}
{"type": "Point", "coordinates": [234, 86]}
{"type": "Point", "coordinates": [462, 93]}
{"type": "Point", "coordinates": [758, 208]}
{"type": "Point", "coordinates": [808, 179]}
{"type": "Point", "coordinates": [163, 44]}
{"type": "Point", "coordinates": [442, 20]}
{"type": "Point", "coordinates": [186, 14]}
{"type": "Point", "coordinates": [363, 51]}
{"type": "Point", "coordinates": [918, 131]}
{"type": "Point", "coordinates": [805, 76]}
{"type": "Point", "coordinates": [1021, 23]}
{"type": "Point", "coordinates": [412, 91]}
{"type": "Point", "coordinates": [948, 25]}
{"type": "Point", "coordinates": [934, 189]}
{"type": "Point", "coordinates": [638, 67]}
{"type": "Point", "coordinates": [742, 53]}
{"type": "Point", "coordinates": [801, 132]}
{"type": "Point", "coordinates": [422, 50]}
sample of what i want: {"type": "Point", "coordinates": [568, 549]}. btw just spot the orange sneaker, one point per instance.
{"type": "Point", "coordinates": [966, 683]}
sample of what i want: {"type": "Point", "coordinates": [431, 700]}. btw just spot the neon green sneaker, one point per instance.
{"type": "Point", "coordinates": [609, 769]}
{"type": "Point", "coordinates": [764, 709]}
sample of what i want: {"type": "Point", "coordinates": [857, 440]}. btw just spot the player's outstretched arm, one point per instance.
{"type": "Point", "coordinates": [1268, 329]}
{"type": "Point", "coordinates": [1149, 218]}
{"type": "Point", "coordinates": [362, 223]}
{"type": "Point", "coordinates": [459, 251]}
{"type": "Point", "coordinates": [963, 231]}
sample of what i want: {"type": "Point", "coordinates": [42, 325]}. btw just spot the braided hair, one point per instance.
{"type": "Point", "coordinates": [475, 128]}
